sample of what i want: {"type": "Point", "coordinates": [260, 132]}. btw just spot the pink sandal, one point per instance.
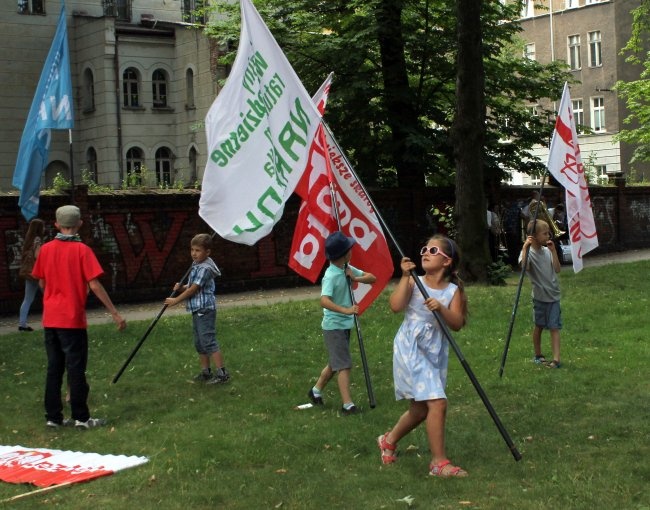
{"type": "Point", "coordinates": [385, 446]}
{"type": "Point", "coordinates": [444, 469]}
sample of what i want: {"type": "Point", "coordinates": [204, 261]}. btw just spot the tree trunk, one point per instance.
{"type": "Point", "coordinates": [468, 136]}
{"type": "Point", "coordinates": [400, 110]}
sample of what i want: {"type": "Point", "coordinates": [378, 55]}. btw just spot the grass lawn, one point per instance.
{"type": "Point", "coordinates": [583, 430]}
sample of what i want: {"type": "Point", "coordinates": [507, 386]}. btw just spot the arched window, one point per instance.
{"type": "Point", "coordinates": [193, 158]}
{"type": "Point", "coordinates": [159, 88]}
{"type": "Point", "coordinates": [88, 91]}
{"type": "Point", "coordinates": [164, 166]}
{"type": "Point", "coordinates": [134, 162]}
{"type": "Point", "coordinates": [91, 161]}
{"type": "Point", "coordinates": [131, 87]}
{"type": "Point", "coordinates": [189, 88]}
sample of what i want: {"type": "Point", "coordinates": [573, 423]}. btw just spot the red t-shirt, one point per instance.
{"type": "Point", "coordinates": [66, 267]}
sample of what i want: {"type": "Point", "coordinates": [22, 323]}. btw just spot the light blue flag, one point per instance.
{"type": "Point", "coordinates": [51, 109]}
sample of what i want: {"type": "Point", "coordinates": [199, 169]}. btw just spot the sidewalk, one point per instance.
{"type": "Point", "coordinates": [149, 310]}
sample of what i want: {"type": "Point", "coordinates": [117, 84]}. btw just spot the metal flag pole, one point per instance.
{"type": "Point", "coordinates": [443, 326]}
{"type": "Point", "coordinates": [357, 325]}
{"type": "Point", "coordinates": [151, 326]}
{"type": "Point", "coordinates": [521, 281]}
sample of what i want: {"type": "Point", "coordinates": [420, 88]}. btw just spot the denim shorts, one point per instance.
{"type": "Point", "coordinates": [547, 315]}
{"type": "Point", "coordinates": [337, 342]}
{"type": "Point", "coordinates": [204, 329]}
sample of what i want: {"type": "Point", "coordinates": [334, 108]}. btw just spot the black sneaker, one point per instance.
{"type": "Point", "coordinates": [352, 410]}
{"type": "Point", "coordinates": [55, 425]}
{"type": "Point", "coordinates": [221, 376]}
{"type": "Point", "coordinates": [203, 376]}
{"type": "Point", "coordinates": [317, 401]}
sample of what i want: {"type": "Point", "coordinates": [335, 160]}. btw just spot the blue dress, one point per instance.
{"type": "Point", "coordinates": [420, 351]}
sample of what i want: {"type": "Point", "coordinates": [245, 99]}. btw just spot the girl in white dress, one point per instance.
{"type": "Point", "coordinates": [421, 351]}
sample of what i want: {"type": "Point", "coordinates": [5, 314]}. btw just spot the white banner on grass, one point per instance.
{"type": "Point", "coordinates": [259, 130]}
{"type": "Point", "coordinates": [565, 164]}
{"type": "Point", "coordinates": [44, 467]}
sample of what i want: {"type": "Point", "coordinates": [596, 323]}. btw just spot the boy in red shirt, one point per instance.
{"type": "Point", "coordinates": [67, 268]}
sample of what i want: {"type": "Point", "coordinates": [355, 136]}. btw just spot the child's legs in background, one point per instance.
{"type": "Point", "coordinates": [337, 342]}
{"type": "Point", "coordinates": [555, 344]}
{"type": "Point", "coordinates": [436, 428]}
{"type": "Point", "coordinates": [343, 379]}
{"type": "Point", "coordinates": [416, 414]}
{"type": "Point", "coordinates": [537, 340]}
{"type": "Point", "coordinates": [217, 359]}
{"type": "Point", "coordinates": [31, 288]}
{"type": "Point", "coordinates": [325, 376]}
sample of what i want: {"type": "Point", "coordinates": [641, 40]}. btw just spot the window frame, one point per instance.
{"type": "Point", "coordinates": [578, 111]}
{"type": "Point", "coordinates": [598, 113]}
{"type": "Point", "coordinates": [164, 166]}
{"type": "Point", "coordinates": [573, 52]}
{"type": "Point", "coordinates": [595, 49]}
{"type": "Point", "coordinates": [130, 82]}
{"type": "Point", "coordinates": [160, 88]}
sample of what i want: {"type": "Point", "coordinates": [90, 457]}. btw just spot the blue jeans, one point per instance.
{"type": "Point", "coordinates": [204, 330]}
{"type": "Point", "coordinates": [67, 349]}
{"type": "Point", "coordinates": [31, 288]}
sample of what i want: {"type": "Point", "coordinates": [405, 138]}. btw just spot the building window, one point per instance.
{"type": "Point", "coordinates": [529, 51]}
{"type": "Point", "coordinates": [131, 88]}
{"type": "Point", "coordinates": [193, 162]}
{"type": "Point", "coordinates": [88, 91]}
{"type": "Point", "coordinates": [528, 9]}
{"type": "Point", "coordinates": [587, 2]}
{"type": "Point", "coordinates": [134, 162]}
{"type": "Point", "coordinates": [578, 114]}
{"type": "Point", "coordinates": [164, 166]}
{"type": "Point", "coordinates": [31, 6]}
{"type": "Point", "coordinates": [601, 174]}
{"type": "Point", "coordinates": [189, 88]}
{"type": "Point", "coordinates": [120, 9]}
{"type": "Point", "coordinates": [598, 114]}
{"type": "Point", "coordinates": [192, 11]}
{"type": "Point", "coordinates": [574, 52]}
{"type": "Point", "coordinates": [595, 53]}
{"type": "Point", "coordinates": [570, 4]}
{"type": "Point", "coordinates": [159, 87]}
{"type": "Point", "coordinates": [91, 161]}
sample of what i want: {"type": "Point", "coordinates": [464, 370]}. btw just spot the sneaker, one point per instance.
{"type": "Point", "coordinates": [351, 411]}
{"type": "Point", "coordinates": [55, 425]}
{"type": "Point", "coordinates": [203, 376]}
{"type": "Point", "coordinates": [91, 423]}
{"type": "Point", "coordinates": [539, 360]}
{"type": "Point", "coordinates": [554, 364]}
{"type": "Point", "coordinates": [316, 400]}
{"type": "Point", "coordinates": [219, 378]}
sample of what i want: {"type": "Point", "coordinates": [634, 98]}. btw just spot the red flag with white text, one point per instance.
{"type": "Point", "coordinates": [316, 219]}
{"type": "Point", "coordinates": [565, 164]}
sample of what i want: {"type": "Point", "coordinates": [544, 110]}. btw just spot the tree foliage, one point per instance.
{"type": "Point", "coordinates": [393, 99]}
{"type": "Point", "coordinates": [636, 94]}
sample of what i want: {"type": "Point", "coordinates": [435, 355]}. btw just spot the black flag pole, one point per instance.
{"type": "Point", "coordinates": [521, 280]}
{"type": "Point", "coordinates": [441, 322]}
{"type": "Point", "coordinates": [151, 326]}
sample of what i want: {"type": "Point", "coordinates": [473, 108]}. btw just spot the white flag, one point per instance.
{"type": "Point", "coordinates": [259, 130]}
{"type": "Point", "coordinates": [565, 164]}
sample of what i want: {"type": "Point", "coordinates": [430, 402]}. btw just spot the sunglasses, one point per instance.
{"type": "Point", "coordinates": [434, 250]}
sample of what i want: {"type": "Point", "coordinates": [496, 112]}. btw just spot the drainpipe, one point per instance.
{"type": "Point", "coordinates": [116, 63]}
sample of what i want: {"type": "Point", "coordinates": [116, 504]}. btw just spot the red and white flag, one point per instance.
{"type": "Point", "coordinates": [565, 164]}
{"type": "Point", "coordinates": [316, 219]}
{"type": "Point", "coordinates": [43, 467]}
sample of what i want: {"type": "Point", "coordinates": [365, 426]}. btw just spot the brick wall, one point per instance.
{"type": "Point", "coordinates": [142, 238]}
